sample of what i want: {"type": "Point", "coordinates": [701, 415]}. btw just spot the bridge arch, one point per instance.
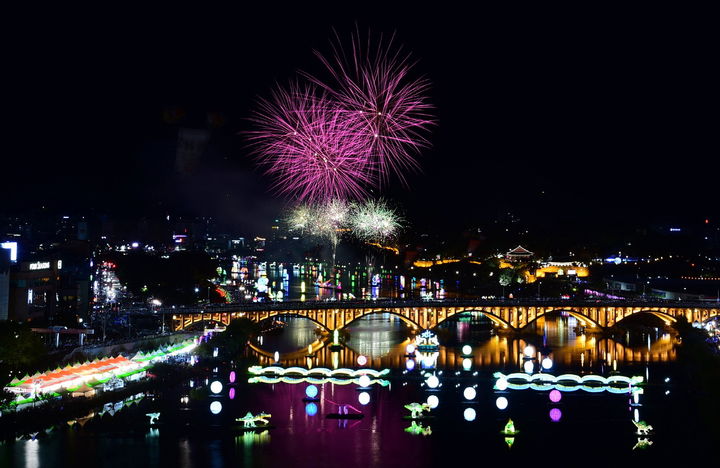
{"type": "Point", "coordinates": [492, 317]}
{"type": "Point", "coordinates": [664, 316]}
{"type": "Point", "coordinates": [584, 320]}
{"type": "Point", "coordinates": [411, 323]}
{"type": "Point", "coordinates": [295, 315]}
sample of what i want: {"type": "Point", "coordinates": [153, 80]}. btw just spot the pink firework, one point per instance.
{"type": "Point", "coordinates": [312, 152]}
{"type": "Point", "coordinates": [373, 87]}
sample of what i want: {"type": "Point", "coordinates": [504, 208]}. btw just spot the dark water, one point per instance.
{"type": "Point", "coordinates": [581, 428]}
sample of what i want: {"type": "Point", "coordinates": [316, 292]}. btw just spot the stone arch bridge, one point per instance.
{"type": "Point", "coordinates": [509, 315]}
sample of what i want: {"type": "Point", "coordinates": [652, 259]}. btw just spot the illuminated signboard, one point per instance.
{"type": "Point", "coordinates": [40, 266]}
{"type": "Point", "coordinates": [13, 248]}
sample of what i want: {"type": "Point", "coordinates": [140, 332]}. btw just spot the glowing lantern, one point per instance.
{"type": "Point", "coordinates": [433, 401]}
{"type": "Point", "coordinates": [467, 350]}
{"type": "Point", "coordinates": [469, 393]}
{"type": "Point", "coordinates": [364, 398]}
{"type": "Point", "coordinates": [501, 384]}
{"type": "Point", "coordinates": [215, 407]}
{"type": "Point", "coordinates": [311, 391]}
{"type": "Point", "coordinates": [501, 403]}
{"type": "Point", "coordinates": [232, 376]}
{"type": "Point", "coordinates": [362, 360]}
{"type": "Point", "coordinates": [216, 387]}
{"type": "Point", "coordinates": [276, 356]}
{"type": "Point", "coordinates": [469, 414]}
{"type": "Point", "coordinates": [555, 396]}
{"type": "Point", "coordinates": [529, 351]}
{"type": "Point", "coordinates": [410, 364]}
{"type": "Point", "coordinates": [311, 409]}
{"type": "Point", "coordinates": [432, 381]}
{"type": "Point", "coordinates": [410, 349]}
{"type": "Point", "coordinates": [555, 414]}
{"type": "Point", "coordinates": [364, 381]}
{"type": "Point", "coordinates": [467, 364]}
{"type": "Point", "coordinates": [528, 367]}
{"type": "Point", "coordinates": [547, 363]}
{"type": "Point", "coordinates": [231, 394]}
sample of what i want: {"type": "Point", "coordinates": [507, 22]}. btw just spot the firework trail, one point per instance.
{"type": "Point", "coordinates": [376, 95]}
{"type": "Point", "coordinates": [374, 221]}
{"type": "Point", "coordinates": [313, 153]}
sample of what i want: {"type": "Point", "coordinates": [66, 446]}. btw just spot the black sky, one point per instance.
{"type": "Point", "coordinates": [572, 117]}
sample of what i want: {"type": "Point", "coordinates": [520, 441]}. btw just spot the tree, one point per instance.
{"type": "Point", "coordinates": [20, 349]}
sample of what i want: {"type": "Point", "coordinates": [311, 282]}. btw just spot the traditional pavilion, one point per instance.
{"type": "Point", "coordinates": [519, 254]}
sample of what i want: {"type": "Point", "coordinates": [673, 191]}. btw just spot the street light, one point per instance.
{"type": "Point", "coordinates": [157, 304]}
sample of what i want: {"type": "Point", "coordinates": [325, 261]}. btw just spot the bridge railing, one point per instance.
{"type": "Point", "coordinates": [460, 302]}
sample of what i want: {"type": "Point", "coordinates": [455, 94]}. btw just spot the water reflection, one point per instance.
{"type": "Point", "coordinates": [383, 340]}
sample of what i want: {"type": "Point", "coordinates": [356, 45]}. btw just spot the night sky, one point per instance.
{"type": "Point", "coordinates": [574, 119]}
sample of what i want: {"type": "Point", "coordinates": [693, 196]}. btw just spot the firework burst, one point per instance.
{"type": "Point", "coordinates": [377, 96]}
{"type": "Point", "coordinates": [374, 221]}
{"type": "Point", "coordinates": [312, 152]}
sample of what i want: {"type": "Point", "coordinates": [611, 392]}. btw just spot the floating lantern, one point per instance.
{"type": "Point", "coordinates": [501, 403]}
{"type": "Point", "coordinates": [215, 407]}
{"type": "Point", "coordinates": [433, 401]}
{"type": "Point", "coordinates": [467, 364]}
{"type": "Point", "coordinates": [232, 376]}
{"type": "Point", "coordinates": [501, 384]}
{"type": "Point", "coordinates": [311, 409]}
{"type": "Point", "coordinates": [555, 414]}
{"type": "Point", "coordinates": [467, 350]}
{"type": "Point", "coordinates": [276, 356]}
{"type": "Point", "coordinates": [231, 394]}
{"type": "Point", "coordinates": [546, 363]}
{"type": "Point", "coordinates": [311, 391]}
{"type": "Point", "coordinates": [555, 396]}
{"type": "Point", "coordinates": [469, 393]}
{"type": "Point", "coordinates": [216, 387]}
{"type": "Point", "coordinates": [364, 381]}
{"type": "Point", "coordinates": [410, 364]}
{"type": "Point", "coordinates": [362, 360]}
{"type": "Point", "coordinates": [528, 367]}
{"type": "Point", "coordinates": [469, 414]}
{"type": "Point", "coordinates": [364, 398]}
{"type": "Point", "coordinates": [529, 351]}
{"type": "Point", "coordinates": [410, 349]}
{"type": "Point", "coordinates": [433, 381]}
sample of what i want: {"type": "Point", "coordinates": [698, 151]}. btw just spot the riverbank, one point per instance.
{"type": "Point", "coordinates": [61, 410]}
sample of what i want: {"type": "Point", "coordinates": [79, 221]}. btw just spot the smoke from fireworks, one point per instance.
{"type": "Point", "coordinates": [312, 152]}
{"type": "Point", "coordinates": [373, 86]}
{"type": "Point", "coordinates": [374, 221]}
